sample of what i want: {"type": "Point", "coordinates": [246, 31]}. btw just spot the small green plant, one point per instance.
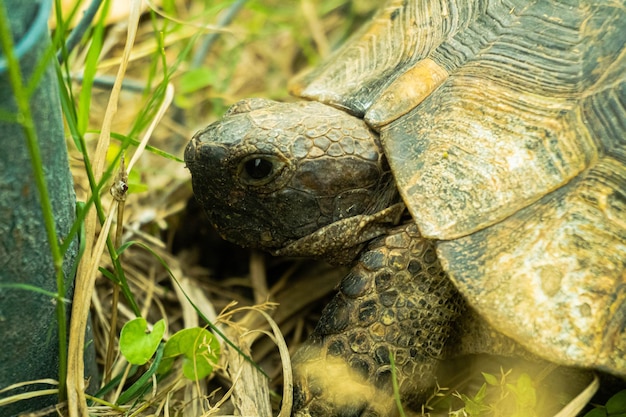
{"type": "Point", "coordinates": [498, 397]}
{"type": "Point", "coordinates": [614, 407]}
{"type": "Point", "coordinates": [137, 344]}
{"type": "Point", "coordinates": [474, 406]}
{"type": "Point", "coordinates": [198, 347]}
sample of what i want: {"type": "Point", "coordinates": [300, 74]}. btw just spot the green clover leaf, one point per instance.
{"type": "Point", "coordinates": [137, 344]}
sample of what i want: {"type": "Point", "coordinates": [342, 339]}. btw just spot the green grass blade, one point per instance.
{"type": "Point", "coordinates": [124, 139]}
{"type": "Point", "coordinates": [27, 287]}
{"type": "Point", "coordinates": [396, 389]}
{"type": "Point", "coordinates": [89, 73]}
{"type": "Point", "coordinates": [142, 383]}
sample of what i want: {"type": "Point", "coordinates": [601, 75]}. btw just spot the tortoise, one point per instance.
{"type": "Point", "coordinates": [469, 159]}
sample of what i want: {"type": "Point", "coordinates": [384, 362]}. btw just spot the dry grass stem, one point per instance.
{"type": "Point", "coordinates": [167, 100]}
{"type": "Point", "coordinates": [29, 394]}
{"type": "Point", "coordinates": [316, 27]}
{"type": "Point", "coordinates": [247, 401]}
{"type": "Point", "coordinates": [575, 406]}
{"type": "Point", "coordinates": [258, 278]}
{"type": "Point", "coordinates": [88, 266]}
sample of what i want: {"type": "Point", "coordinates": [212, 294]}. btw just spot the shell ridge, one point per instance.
{"type": "Point", "coordinates": [400, 35]}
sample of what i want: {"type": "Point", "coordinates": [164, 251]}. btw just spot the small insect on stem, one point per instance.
{"type": "Point", "coordinates": [120, 184]}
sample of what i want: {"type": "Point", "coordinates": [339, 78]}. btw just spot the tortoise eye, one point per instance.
{"type": "Point", "coordinates": [258, 168]}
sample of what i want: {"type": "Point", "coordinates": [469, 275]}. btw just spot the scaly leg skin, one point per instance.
{"type": "Point", "coordinates": [396, 300]}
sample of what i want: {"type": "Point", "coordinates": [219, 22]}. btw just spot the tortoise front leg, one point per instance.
{"type": "Point", "coordinates": [395, 301]}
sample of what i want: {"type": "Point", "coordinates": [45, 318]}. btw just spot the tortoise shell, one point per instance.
{"type": "Point", "coordinates": [504, 123]}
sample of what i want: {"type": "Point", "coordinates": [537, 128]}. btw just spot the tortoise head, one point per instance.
{"type": "Point", "coordinates": [270, 173]}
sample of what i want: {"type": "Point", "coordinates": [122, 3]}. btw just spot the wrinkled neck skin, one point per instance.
{"type": "Point", "coordinates": [296, 179]}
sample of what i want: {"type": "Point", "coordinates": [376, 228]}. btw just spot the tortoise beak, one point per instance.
{"type": "Point", "coordinates": [200, 153]}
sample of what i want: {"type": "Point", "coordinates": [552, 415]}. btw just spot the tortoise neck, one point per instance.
{"type": "Point", "coordinates": [340, 242]}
